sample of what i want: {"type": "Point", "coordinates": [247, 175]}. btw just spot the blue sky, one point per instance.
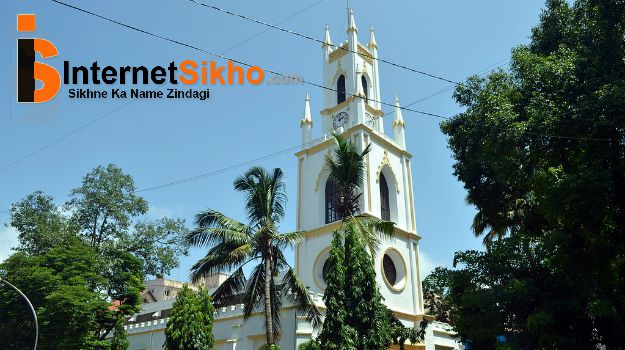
{"type": "Point", "coordinates": [162, 141]}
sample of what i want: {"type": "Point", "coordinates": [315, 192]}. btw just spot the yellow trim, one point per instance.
{"type": "Point", "coordinates": [386, 162]}
{"type": "Point", "coordinates": [375, 136]}
{"type": "Point", "coordinates": [373, 111]}
{"type": "Point", "coordinates": [403, 261]}
{"type": "Point", "coordinates": [444, 332]}
{"type": "Point", "coordinates": [412, 214]}
{"type": "Point", "coordinates": [338, 53]}
{"type": "Point", "coordinates": [332, 110]}
{"type": "Point", "coordinates": [365, 54]}
{"type": "Point", "coordinates": [333, 226]}
{"type": "Point", "coordinates": [366, 139]}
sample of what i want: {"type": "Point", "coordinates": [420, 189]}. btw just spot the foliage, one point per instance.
{"type": "Point", "coordinates": [356, 317]}
{"type": "Point", "coordinates": [436, 295]}
{"type": "Point", "coordinates": [39, 223]}
{"type": "Point", "coordinates": [232, 244]}
{"type": "Point", "coordinates": [56, 282]}
{"type": "Point", "coordinates": [400, 334]}
{"type": "Point", "coordinates": [310, 345]}
{"type": "Point", "coordinates": [119, 340]}
{"type": "Point", "coordinates": [271, 347]}
{"type": "Point", "coordinates": [336, 333]}
{"type": "Point", "coordinates": [158, 244]}
{"type": "Point", "coordinates": [541, 152]}
{"type": "Point", "coordinates": [99, 214]}
{"type": "Point", "coordinates": [190, 325]}
{"type": "Point", "coordinates": [367, 313]}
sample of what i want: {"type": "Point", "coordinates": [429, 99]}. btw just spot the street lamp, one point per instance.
{"type": "Point", "coordinates": [31, 309]}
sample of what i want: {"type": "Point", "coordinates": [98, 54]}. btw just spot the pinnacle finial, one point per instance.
{"type": "Point", "coordinates": [306, 120]}
{"type": "Point", "coordinates": [372, 43]}
{"type": "Point", "coordinates": [351, 25]}
{"type": "Point", "coordinates": [399, 119]}
{"type": "Point", "coordinates": [327, 41]}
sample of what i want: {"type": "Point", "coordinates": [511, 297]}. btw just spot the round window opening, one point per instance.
{"type": "Point", "coordinates": [394, 270]}
{"type": "Point", "coordinates": [389, 270]}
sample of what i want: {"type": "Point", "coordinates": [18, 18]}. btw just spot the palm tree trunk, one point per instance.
{"type": "Point", "coordinates": [268, 311]}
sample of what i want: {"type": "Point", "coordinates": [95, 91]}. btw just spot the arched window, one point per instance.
{"type": "Point", "coordinates": [385, 206]}
{"type": "Point", "coordinates": [340, 89]}
{"type": "Point", "coordinates": [332, 202]}
{"type": "Point", "coordinates": [365, 87]}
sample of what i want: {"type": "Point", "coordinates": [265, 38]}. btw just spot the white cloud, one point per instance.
{"type": "Point", "coordinates": [8, 240]}
{"type": "Point", "coordinates": [426, 264]}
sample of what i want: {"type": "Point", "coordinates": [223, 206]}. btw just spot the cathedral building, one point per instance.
{"type": "Point", "coordinates": [351, 108]}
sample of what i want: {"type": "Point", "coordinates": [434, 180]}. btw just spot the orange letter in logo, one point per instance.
{"type": "Point", "coordinates": [46, 74]}
{"type": "Point", "coordinates": [29, 70]}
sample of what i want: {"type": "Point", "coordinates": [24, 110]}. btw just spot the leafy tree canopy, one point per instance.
{"type": "Point", "coordinates": [541, 151]}
{"type": "Point", "coordinates": [190, 325]}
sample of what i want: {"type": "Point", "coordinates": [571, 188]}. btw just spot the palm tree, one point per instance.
{"type": "Point", "coordinates": [232, 245]}
{"type": "Point", "coordinates": [347, 171]}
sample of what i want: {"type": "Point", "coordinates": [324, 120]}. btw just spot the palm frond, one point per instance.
{"type": "Point", "coordinates": [222, 257]}
{"type": "Point", "coordinates": [230, 288]}
{"type": "Point", "coordinates": [254, 291]}
{"type": "Point", "coordinates": [284, 240]}
{"type": "Point", "coordinates": [213, 227]}
{"type": "Point", "coordinates": [276, 306]}
{"type": "Point", "coordinates": [300, 297]}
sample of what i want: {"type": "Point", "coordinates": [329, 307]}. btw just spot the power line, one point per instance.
{"type": "Point", "coordinates": [84, 126]}
{"type": "Point", "coordinates": [273, 26]}
{"type": "Point", "coordinates": [226, 57]}
{"type": "Point", "coordinates": [72, 132]}
{"type": "Point", "coordinates": [279, 22]}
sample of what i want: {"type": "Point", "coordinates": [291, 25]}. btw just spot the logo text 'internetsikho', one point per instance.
{"type": "Point", "coordinates": [187, 72]}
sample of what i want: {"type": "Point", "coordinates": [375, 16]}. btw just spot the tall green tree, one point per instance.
{"type": "Point", "coordinates": [232, 244]}
{"type": "Point", "coordinates": [39, 223]}
{"type": "Point", "coordinates": [57, 283]}
{"type": "Point", "coordinates": [337, 333]}
{"type": "Point", "coordinates": [541, 152]}
{"type": "Point", "coordinates": [358, 318]}
{"type": "Point", "coordinates": [367, 313]}
{"type": "Point", "coordinates": [190, 325]}
{"type": "Point", "coordinates": [101, 214]}
{"type": "Point", "coordinates": [120, 340]}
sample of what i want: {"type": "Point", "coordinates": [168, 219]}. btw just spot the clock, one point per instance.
{"type": "Point", "coordinates": [340, 120]}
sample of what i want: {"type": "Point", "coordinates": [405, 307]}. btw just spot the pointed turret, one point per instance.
{"type": "Point", "coordinates": [351, 25]}
{"type": "Point", "coordinates": [372, 43]}
{"type": "Point", "coordinates": [327, 41]}
{"type": "Point", "coordinates": [327, 46]}
{"type": "Point", "coordinates": [399, 125]}
{"type": "Point", "coordinates": [306, 123]}
{"type": "Point", "coordinates": [352, 32]}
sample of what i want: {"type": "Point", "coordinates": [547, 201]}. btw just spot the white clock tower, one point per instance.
{"type": "Point", "coordinates": [354, 111]}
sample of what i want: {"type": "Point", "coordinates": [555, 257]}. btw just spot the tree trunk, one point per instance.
{"type": "Point", "coordinates": [268, 311]}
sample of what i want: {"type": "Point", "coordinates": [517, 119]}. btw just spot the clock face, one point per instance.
{"type": "Point", "coordinates": [340, 120]}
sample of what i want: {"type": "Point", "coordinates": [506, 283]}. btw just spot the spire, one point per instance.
{"type": "Point", "coordinates": [372, 43]}
{"type": "Point", "coordinates": [306, 120]}
{"type": "Point", "coordinates": [351, 24]}
{"type": "Point", "coordinates": [327, 42]}
{"type": "Point", "coordinates": [399, 119]}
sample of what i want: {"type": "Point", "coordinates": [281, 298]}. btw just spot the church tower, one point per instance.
{"type": "Point", "coordinates": [352, 108]}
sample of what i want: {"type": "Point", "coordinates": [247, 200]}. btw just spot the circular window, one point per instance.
{"type": "Point", "coordinates": [390, 272]}
{"type": "Point", "coordinates": [321, 268]}
{"type": "Point", "coordinates": [394, 269]}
